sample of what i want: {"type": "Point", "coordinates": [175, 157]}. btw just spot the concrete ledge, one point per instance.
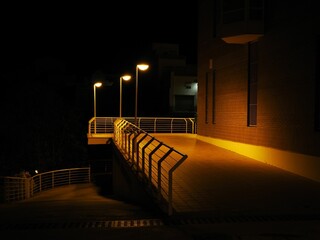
{"type": "Point", "coordinates": [99, 138]}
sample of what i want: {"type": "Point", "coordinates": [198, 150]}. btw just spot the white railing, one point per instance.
{"type": "Point", "coordinates": [20, 188]}
{"type": "Point", "coordinates": [102, 125]}
{"type": "Point", "coordinates": [152, 160]}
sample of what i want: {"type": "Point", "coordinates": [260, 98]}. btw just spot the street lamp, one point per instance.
{"type": "Point", "coordinates": [141, 67]}
{"type": "Point", "coordinates": [126, 78]}
{"type": "Point", "coordinates": [97, 84]}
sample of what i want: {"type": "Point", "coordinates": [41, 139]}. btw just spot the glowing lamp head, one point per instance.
{"type": "Point", "coordinates": [98, 84]}
{"type": "Point", "coordinates": [126, 77]}
{"type": "Point", "coordinates": [143, 67]}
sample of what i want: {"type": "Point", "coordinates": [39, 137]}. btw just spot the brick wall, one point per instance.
{"type": "Point", "coordinates": [286, 80]}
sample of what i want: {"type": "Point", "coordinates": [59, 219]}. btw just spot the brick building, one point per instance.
{"type": "Point", "coordinates": [259, 81]}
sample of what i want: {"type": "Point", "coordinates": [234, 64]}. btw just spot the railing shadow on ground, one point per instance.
{"type": "Point", "coordinates": [152, 160]}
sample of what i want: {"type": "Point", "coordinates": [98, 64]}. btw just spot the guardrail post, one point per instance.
{"type": "Point", "coordinates": [40, 183]}
{"type": "Point", "coordinates": [137, 152]}
{"type": "Point", "coordinates": [52, 183]}
{"type": "Point", "coordinates": [159, 170]}
{"type": "Point", "coordinates": [135, 148]}
{"type": "Point", "coordinates": [130, 146]}
{"type": "Point", "coordinates": [170, 184]}
{"type": "Point", "coordinates": [27, 187]}
{"type": "Point", "coordinates": [143, 152]}
{"type": "Point", "coordinates": [155, 125]}
{"type": "Point", "coordinates": [150, 161]}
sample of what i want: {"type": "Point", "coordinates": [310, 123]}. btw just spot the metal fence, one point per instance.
{"type": "Point", "coordinates": [21, 188]}
{"type": "Point", "coordinates": [151, 159]}
{"type": "Point", "coordinates": [101, 125]}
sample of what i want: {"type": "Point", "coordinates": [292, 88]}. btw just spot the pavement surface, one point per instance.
{"type": "Point", "coordinates": [222, 195]}
{"type": "Point", "coordinates": [218, 181]}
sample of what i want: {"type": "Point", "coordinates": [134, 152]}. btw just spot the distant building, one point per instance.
{"type": "Point", "coordinates": [259, 80]}
{"type": "Point", "coordinates": [176, 81]}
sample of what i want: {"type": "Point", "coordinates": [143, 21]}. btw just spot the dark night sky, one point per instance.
{"type": "Point", "coordinates": [90, 35]}
{"type": "Point", "coordinates": [83, 37]}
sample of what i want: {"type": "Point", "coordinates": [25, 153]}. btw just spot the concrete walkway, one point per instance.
{"type": "Point", "coordinates": [215, 181]}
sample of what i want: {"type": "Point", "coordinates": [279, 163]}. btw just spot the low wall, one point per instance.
{"type": "Point", "coordinates": [303, 165]}
{"type": "Point", "coordinates": [126, 184]}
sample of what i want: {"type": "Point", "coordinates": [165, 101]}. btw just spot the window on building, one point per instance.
{"type": "Point", "coordinates": [317, 86]}
{"type": "Point", "coordinates": [206, 98]}
{"type": "Point", "coordinates": [317, 122]}
{"type": "Point", "coordinates": [213, 96]}
{"type": "Point", "coordinates": [252, 83]}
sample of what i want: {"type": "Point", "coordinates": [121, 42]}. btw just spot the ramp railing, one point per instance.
{"type": "Point", "coordinates": [152, 160]}
{"type": "Point", "coordinates": [21, 188]}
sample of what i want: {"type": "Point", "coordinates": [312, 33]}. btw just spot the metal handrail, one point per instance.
{"type": "Point", "coordinates": [103, 125]}
{"type": "Point", "coordinates": [21, 188]}
{"type": "Point", "coordinates": [151, 159]}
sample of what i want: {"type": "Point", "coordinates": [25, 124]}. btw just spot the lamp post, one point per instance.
{"type": "Point", "coordinates": [126, 78]}
{"type": "Point", "coordinates": [97, 84]}
{"type": "Point", "coordinates": [141, 67]}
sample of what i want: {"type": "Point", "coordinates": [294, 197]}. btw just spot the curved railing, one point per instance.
{"type": "Point", "coordinates": [21, 188]}
{"type": "Point", "coordinates": [102, 125]}
{"type": "Point", "coordinates": [152, 160]}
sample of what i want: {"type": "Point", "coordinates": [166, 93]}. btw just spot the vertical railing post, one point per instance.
{"type": "Point", "coordinates": [150, 161]}
{"type": "Point", "coordinates": [137, 152]}
{"type": "Point", "coordinates": [52, 184]}
{"type": "Point", "coordinates": [185, 120]}
{"type": "Point", "coordinates": [40, 183]}
{"type": "Point", "coordinates": [131, 147]}
{"type": "Point", "coordinates": [155, 125]}
{"type": "Point", "coordinates": [159, 171]}
{"type": "Point", "coordinates": [143, 153]}
{"type": "Point", "coordinates": [89, 128]}
{"type": "Point", "coordinates": [170, 184]}
{"type": "Point", "coordinates": [26, 188]}
{"type": "Point", "coordinates": [135, 147]}
{"type": "Point", "coordinates": [31, 186]}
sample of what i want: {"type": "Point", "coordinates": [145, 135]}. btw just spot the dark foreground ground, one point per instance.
{"type": "Point", "coordinates": [78, 212]}
{"type": "Point", "coordinates": [222, 195]}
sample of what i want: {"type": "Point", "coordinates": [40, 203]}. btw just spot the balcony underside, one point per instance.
{"type": "Point", "coordinates": [242, 39]}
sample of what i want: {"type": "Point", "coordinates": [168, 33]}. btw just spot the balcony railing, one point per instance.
{"type": "Point", "coordinates": [104, 125]}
